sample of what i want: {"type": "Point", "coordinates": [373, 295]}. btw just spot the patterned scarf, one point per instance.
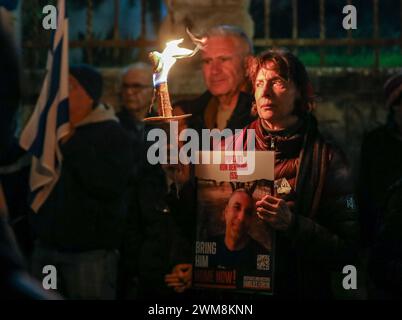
{"type": "Point", "coordinates": [301, 157]}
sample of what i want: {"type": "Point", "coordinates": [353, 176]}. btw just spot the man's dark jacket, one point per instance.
{"type": "Point", "coordinates": [385, 263]}
{"type": "Point", "coordinates": [240, 117]}
{"type": "Point", "coordinates": [380, 167]}
{"type": "Point", "coordinates": [160, 225]}
{"type": "Point", "coordinates": [160, 231]}
{"type": "Point", "coordinates": [86, 208]}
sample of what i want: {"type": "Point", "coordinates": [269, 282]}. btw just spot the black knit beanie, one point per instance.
{"type": "Point", "coordinates": [90, 79]}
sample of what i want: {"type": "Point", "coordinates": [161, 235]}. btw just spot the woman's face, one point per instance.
{"type": "Point", "coordinates": [275, 98]}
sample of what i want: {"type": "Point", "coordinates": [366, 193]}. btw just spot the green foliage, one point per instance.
{"type": "Point", "coordinates": [357, 58]}
{"type": "Point", "coordinates": [362, 57]}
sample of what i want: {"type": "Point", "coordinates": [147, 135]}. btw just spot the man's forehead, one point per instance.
{"type": "Point", "coordinates": [221, 45]}
{"type": "Point", "coordinates": [240, 197]}
{"type": "Point", "coordinates": [138, 75]}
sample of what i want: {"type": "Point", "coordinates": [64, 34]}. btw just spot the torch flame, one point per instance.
{"type": "Point", "coordinates": [164, 61]}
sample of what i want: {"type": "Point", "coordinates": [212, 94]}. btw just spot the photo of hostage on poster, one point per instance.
{"type": "Point", "coordinates": [234, 248]}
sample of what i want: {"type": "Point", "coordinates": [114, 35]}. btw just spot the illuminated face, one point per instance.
{"type": "Point", "coordinates": [275, 97]}
{"type": "Point", "coordinates": [223, 66]}
{"type": "Point", "coordinates": [79, 100]}
{"type": "Point", "coordinates": [136, 91]}
{"type": "Point", "coordinates": [238, 214]}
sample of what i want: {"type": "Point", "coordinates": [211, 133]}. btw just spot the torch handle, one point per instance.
{"type": "Point", "coordinates": [165, 107]}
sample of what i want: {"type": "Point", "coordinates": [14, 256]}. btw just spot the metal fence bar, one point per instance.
{"type": "Point", "coordinates": [349, 32]}
{"type": "Point", "coordinates": [89, 29]}
{"type": "Point", "coordinates": [304, 42]}
{"type": "Point", "coordinates": [376, 33]}
{"type": "Point", "coordinates": [36, 57]}
{"type": "Point", "coordinates": [134, 43]}
{"type": "Point", "coordinates": [93, 43]}
{"type": "Point", "coordinates": [301, 42]}
{"type": "Point", "coordinates": [143, 35]}
{"type": "Point", "coordinates": [143, 19]}
{"type": "Point", "coordinates": [116, 33]}
{"type": "Point", "coordinates": [156, 17]}
{"type": "Point", "coordinates": [322, 31]}
{"type": "Point", "coordinates": [400, 17]}
{"type": "Point", "coordinates": [295, 22]}
{"type": "Point", "coordinates": [267, 19]}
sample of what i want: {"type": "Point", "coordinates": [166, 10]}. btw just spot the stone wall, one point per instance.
{"type": "Point", "coordinates": [351, 103]}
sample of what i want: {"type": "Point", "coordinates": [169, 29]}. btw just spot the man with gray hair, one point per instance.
{"type": "Point", "coordinates": [136, 94]}
{"type": "Point", "coordinates": [226, 103]}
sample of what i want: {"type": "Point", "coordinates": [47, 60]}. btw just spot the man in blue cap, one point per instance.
{"type": "Point", "coordinates": [79, 227]}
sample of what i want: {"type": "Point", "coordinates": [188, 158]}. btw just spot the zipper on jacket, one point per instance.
{"type": "Point", "coordinates": [272, 146]}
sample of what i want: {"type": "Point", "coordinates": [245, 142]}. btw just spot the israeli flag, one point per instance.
{"type": "Point", "coordinates": [49, 122]}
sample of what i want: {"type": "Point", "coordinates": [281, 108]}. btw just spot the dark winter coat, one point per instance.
{"type": "Point", "coordinates": [240, 117]}
{"type": "Point", "coordinates": [160, 231]}
{"type": "Point", "coordinates": [324, 233]}
{"type": "Point", "coordinates": [86, 209]}
{"type": "Point", "coordinates": [380, 167]}
{"type": "Point", "coordinates": [385, 264]}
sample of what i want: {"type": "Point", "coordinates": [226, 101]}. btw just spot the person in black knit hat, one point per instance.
{"type": "Point", "coordinates": [79, 226]}
{"type": "Point", "coordinates": [90, 80]}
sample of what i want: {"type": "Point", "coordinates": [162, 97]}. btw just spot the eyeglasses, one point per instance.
{"type": "Point", "coordinates": [135, 86]}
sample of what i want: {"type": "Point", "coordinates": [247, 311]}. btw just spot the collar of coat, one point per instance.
{"type": "Point", "coordinates": [101, 113]}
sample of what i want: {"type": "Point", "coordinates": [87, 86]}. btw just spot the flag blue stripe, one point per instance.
{"type": "Point", "coordinates": [62, 113]}
{"type": "Point", "coordinates": [52, 37]}
{"type": "Point", "coordinates": [38, 144]}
